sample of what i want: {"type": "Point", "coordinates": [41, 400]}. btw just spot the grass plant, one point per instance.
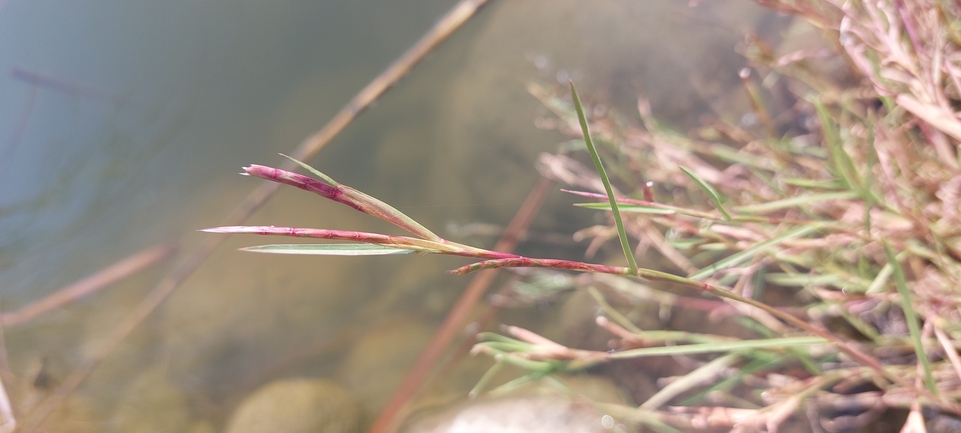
{"type": "Point", "coordinates": [855, 213]}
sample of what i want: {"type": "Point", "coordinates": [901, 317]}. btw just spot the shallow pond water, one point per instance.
{"type": "Point", "coordinates": [124, 125]}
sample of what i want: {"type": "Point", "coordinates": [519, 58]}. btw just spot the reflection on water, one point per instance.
{"type": "Point", "coordinates": [122, 125]}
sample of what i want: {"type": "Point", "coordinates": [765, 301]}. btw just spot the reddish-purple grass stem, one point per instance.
{"type": "Point", "coordinates": [527, 262]}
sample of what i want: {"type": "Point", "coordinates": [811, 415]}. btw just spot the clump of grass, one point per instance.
{"type": "Point", "coordinates": [856, 212]}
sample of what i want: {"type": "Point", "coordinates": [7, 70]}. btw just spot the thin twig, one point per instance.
{"type": "Point", "coordinates": [89, 285]}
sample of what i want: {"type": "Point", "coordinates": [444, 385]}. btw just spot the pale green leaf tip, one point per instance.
{"type": "Point", "coordinates": [709, 189]}
{"type": "Point", "coordinates": [227, 229]}
{"type": "Point", "coordinates": [311, 169]}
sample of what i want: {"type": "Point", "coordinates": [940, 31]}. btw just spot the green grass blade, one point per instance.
{"type": "Point", "coordinates": [736, 156]}
{"type": "Point", "coordinates": [711, 192]}
{"type": "Point", "coordinates": [621, 233]}
{"type": "Point", "coordinates": [759, 363]}
{"type": "Point", "coordinates": [911, 318]}
{"type": "Point", "coordinates": [374, 206]}
{"type": "Point", "coordinates": [313, 170]}
{"type": "Point", "coordinates": [485, 379]}
{"type": "Point", "coordinates": [690, 349]}
{"type": "Point", "coordinates": [691, 380]}
{"type": "Point", "coordinates": [877, 285]}
{"type": "Point", "coordinates": [328, 249]}
{"type": "Point", "coordinates": [488, 337]}
{"type": "Point", "coordinates": [797, 353]}
{"type": "Point", "coordinates": [855, 321]}
{"type": "Point", "coordinates": [377, 208]}
{"type": "Point", "coordinates": [797, 201]}
{"type": "Point", "coordinates": [631, 208]}
{"type": "Point", "coordinates": [842, 161]}
{"type": "Point", "coordinates": [735, 259]}
{"type": "Point", "coordinates": [514, 384]}
{"type": "Point", "coordinates": [614, 315]}
{"type": "Point", "coordinates": [814, 184]}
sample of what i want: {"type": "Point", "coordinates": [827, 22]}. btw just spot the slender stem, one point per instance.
{"type": "Point", "coordinates": [87, 286]}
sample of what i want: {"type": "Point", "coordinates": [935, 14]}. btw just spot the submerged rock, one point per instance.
{"type": "Point", "coordinates": [518, 414]}
{"type": "Point", "coordinates": [532, 409]}
{"type": "Point", "coordinates": [297, 406]}
{"type": "Point", "coordinates": [150, 402]}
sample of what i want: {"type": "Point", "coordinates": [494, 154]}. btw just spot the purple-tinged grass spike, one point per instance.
{"type": "Point", "coordinates": [345, 195]}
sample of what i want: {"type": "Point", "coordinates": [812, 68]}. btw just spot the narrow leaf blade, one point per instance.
{"type": "Point", "coordinates": [328, 249]}
{"type": "Point", "coordinates": [313, 170]}
{"type": "Point", "coordinates": [711, 192]}
{"type": "Point", "coordinates": [629, 208]}
{"type": "Point", "coordinates": [738, 258]}
{"type": "Point", "coordinates": [801, 200]}
{"type": "Point", "coordinates": [843, 164]}
{"type": "Point", "coordinates": [911, 318]}
{"type": "Point", "coordinates": [621, 232]}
